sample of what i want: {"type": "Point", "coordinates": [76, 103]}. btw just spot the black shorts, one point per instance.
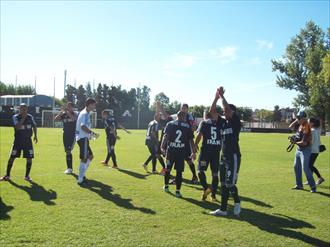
{"type": "Point", "coordinates": [153, 147]}
{"type": "Point", "coordinates": [68, 141]}
{"type": "Point", "coordinates": [84, 149]}
{"type": "Point", "coordinates": [111, 142]}
{"type": "Point", "coordinates": [175, 159]}
{"type": "Point", "coordinates": [25, 146]}
{"type": "Point", "coordinates": [206, 158]}
{"type": "Point", "coordinates": [187, 152]}
{"type": "Point", "coordinates": [229, 168]}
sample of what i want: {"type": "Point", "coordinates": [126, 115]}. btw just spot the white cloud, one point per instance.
{"type": "Point", "coordinates": [224, 54]}
{"type": "Point", "coordinates": [264, 45]}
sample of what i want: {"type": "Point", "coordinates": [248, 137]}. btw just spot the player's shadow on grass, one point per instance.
{"type": "Point", "coordinates": [106, 192]}
{"type": "Point", "coordinates": [134, 174]}
{"type": "Point", "coordinates": [38, 192]}
{"type": "Point", "coordinates": [272, 223]}
{"type": "Point", "coordinates": [4, 209]}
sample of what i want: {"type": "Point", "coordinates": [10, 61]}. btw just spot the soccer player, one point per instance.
{"type": "Point", "coordinates": [69, 120]}
{"type": "Point", "coordinates": [83, 135]}
{"type": "Point", "coordinates": [152, 143]}
{"type": "Point", "coordinates": [24, 126]}
{"type": "Point", "coordinates": [192, 123]}
{"type": "Point", "coordinates": [111, 125]}
{"type": "Point", "coordinates": [210, 130]}
{"type": "Point", "coordinates": [177, 134]}
{"type": "Point", "coordinates": [231, 156]}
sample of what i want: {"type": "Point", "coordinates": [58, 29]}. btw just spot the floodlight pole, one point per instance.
{"type": "Point", "coordinates": [54, 104]}
{"type": "Point", "coordinates": [139, 100]}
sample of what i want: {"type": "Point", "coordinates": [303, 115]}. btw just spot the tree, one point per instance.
{"type": "Point", "coordinates": [245, 113]}
{"type": "Point", "coordinates": [163, 100]}
{"type": "Point", "coordinates": [10, 89]}
{"type": "Point", "coordinates": [174, 107]}
{"type": "Point", "coordinates": [70, 93]}
{"type": "Point", "coordinates": [301, 61]}
{"type": "Point", "coordinates": [198, 110]}
{"type": "Point", "coordinates": [277, 116]}
{"type": "Point", "coordinates": [89, 92]}
{"type": "Point", "coordinates": [265, 115]}
{"type": "Point", "coordinates": [81, 97]}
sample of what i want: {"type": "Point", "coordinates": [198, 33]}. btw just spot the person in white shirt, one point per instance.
{"type": "Point", "coordinates": [315, 127]}
{"type": "Point", "coordinates": [83, 135]}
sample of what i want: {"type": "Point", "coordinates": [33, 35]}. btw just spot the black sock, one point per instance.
{"type": "Point", "coordinates": [215, 183]}
{"type": "Point", "coordinates": [161, 160]}
{"type": "Point", "coordinates": [9, 166]}
{"type": "Point", "coordinates": [192, 168]}
{"type": "Point", "coordinates": [69, 161]}
{"type": "Point", "coordinates": [202, 179]}
{"type": "Point", "coordinates": [167, 178]}
{"type": "Point", "coordinates": [108, 158]}
{"type": "Point", "coordinates": [178, 180]}
{"type": "Point", "coordinates": [234, 193]}
{"type": "Point", "coordinates": [224, 198]}
{"type": "Point", "coordinates": [28, 167]}
{"type": "Point", "coordinates": [316, 171]}
{"type": "Point", "coordinates": [114, 159]}
{"type": "Point", "coordinates": [148, 160]}
{"type": "Point", "coordinates": [154, 162]}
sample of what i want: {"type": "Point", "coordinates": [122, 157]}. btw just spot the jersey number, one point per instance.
{"type": "Point", "coordinates": [213, 133]}
{"type": "Point", "coordinates": [179, 133]}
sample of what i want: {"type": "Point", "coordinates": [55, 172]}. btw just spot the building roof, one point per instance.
{"type": "Point", "coordinates": [18, 96]}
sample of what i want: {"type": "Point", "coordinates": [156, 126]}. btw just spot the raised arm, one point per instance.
{"type": "Point", "coordinates": [213, 108]}
{"type": "Point", "coordinates": [224, 102]}
{"type": "Point", "coordinates": [123, 128]}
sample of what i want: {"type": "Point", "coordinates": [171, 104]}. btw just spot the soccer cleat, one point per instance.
{"type": "Point", "coordinates": [27, 178]}
{"type": "Point", "coordinates": [194, 180]}
{"type": "Point", "coordinates": [173, 181]}
{"type": "Point", "coordinates": [155, 172]}
{"type": "Point", "coordinates": [166, 189]}
{"type": "Point", "coordinates": [306, 183]}
{"type": "Point", "coordinates": [237, 209]}
{"type": "Point", "coordinates": [68, 171]}
{"type": "Point", "coordinates": [297, 188]}
{"type": "Point", "coordinates": [115, 167]}
{"type": "Point", "coordinates": [5, 178]}
{"type": "Point", "coordinates": [319, 181]}
{"type": "Point", "coordinates": [104, 163]}
{"type": "Point", "coordinates": [162, 172]}
{"type": "Point", "coordinates": [218, 212]}
{"type": "Point", "coordinates": [178, 194]}
{"type": "Point", "coordinates": [206, 193]}
{"type": "Point", "coordinates": [313, 190]}
{"type": "Point", "coordinates": [145, 167]}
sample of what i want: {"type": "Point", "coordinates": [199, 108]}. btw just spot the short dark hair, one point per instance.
{"type": "Point", "coordinates": [181, 114]}
{"type": "Point", "coordinates": [232, 107]}
{"type": "Point", "coordinates": [316, 122]}
{"type": "Point", "coordinates": [209, 115]}
{"type": "Point", "coordinates": [70, 104]}
{"type": "Point", "coordinates": [185, 105]}
{"type": "Point", "coordinates": [90, 101]}
{"type": "Point", "coordinates": [105, 112]}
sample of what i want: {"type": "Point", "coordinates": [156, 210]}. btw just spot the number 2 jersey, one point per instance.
{"type": "Point", "coordinates": [179, 135]}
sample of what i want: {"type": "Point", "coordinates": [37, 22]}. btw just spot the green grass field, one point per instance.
{"type": "Point", "coordinates": [127, 207]}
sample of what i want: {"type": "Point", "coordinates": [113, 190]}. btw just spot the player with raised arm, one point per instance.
{"type": "Point", "coordinates": [25, 127]}
{"type": "Point", "coordinates": [231, 155]}
{"type": "Point", "coordinates": [111, 126]}
{"type": "Point", "coordinates": [177, 134]}
{"type": "Point", "coordinates": [69, 120]}
{"type": "Point", "coordinates": [83, 135]}
{"type": "Point", "coordinates": [210, 131]}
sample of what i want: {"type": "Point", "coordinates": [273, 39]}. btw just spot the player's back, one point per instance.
{"type": "Point", "coordinates": [179, 133]}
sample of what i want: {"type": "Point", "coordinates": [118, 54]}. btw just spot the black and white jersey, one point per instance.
{"type": "Point", "coordinates": [110, 126]}
{"type": "Point", "coordinates": [179, 134]}
{"type": "Point", "coordinates": [230, 134]}
{"type": "Point", "coordinates": [152, 131]}
{"type": "Point", "coordinates": [25, 132]}
{"type": "Point", "coordinates": [69, 123]}
{"type": "Point", "coordinates": [211, 132]}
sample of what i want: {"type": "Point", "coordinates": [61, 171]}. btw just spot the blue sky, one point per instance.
{"type": "Point", "coordinates": [184, 49]}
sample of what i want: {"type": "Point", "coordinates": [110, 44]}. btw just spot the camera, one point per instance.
{"type": "Point", "coordinates": [293, 139]}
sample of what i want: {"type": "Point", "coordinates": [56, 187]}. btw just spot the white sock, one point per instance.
{"type": "Point", "coordinates": [81, 170]}
{"type": "Point", "coordinates": [86, 165]}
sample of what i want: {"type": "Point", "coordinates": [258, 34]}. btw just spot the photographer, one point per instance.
{"type": "Point", "coordinates": [303, 140]}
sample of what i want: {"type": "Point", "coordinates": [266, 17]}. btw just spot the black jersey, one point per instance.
{"type": "Point", "coordinates": [69, 124]}
{"type": "Point", "coordinates": [110, 126]}
{"type": "Point", "coordinates": [211, 131]}
{"type": "Point", "coordinates": [230, 134]}
{"type": "Point", "coordinates": [162, 125]}
{"type": "Point", "coordinates": [152, 131]}
{"type": "Point", "coordinates": [25, 132]}
{"type": "Point", "coordinates": [179, 134]}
